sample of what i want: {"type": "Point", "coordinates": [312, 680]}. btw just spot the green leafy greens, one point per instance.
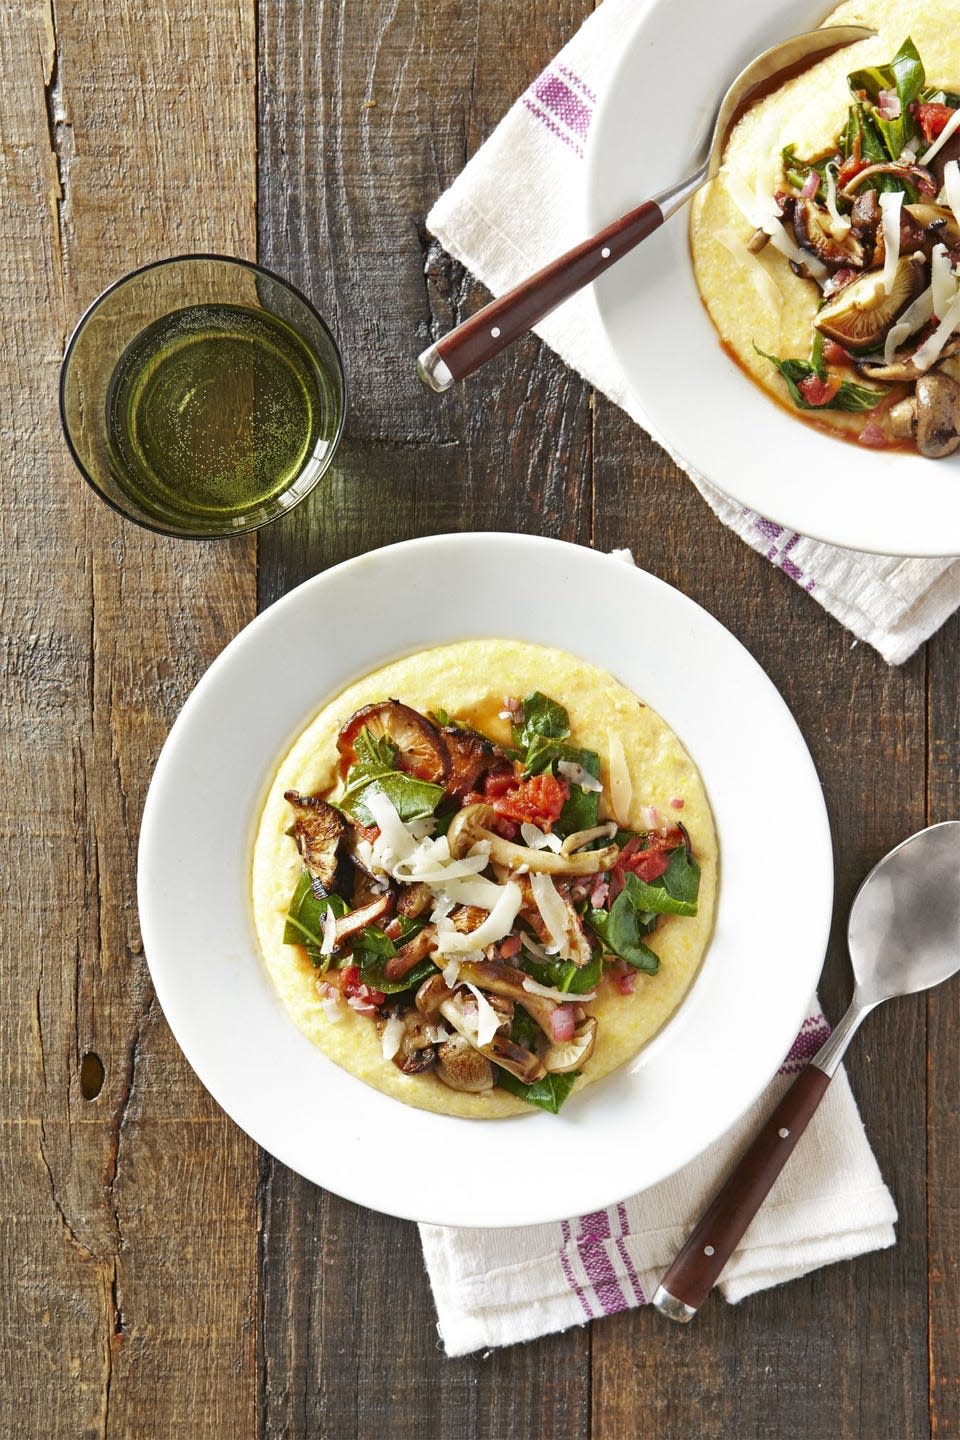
{"type": "Point", "coordinates": [850, 397]}
{"type": "Point", "coordinates": [304, 925]}
{"type": "Point", "coordinates": [375, 766]}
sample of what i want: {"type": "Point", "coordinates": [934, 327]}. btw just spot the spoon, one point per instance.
{"type": "Point", "coordinates": [501, 322]}
{"type": "Point", "coordinates": [903, 936]}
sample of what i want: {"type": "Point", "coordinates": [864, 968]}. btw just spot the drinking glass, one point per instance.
{"type": "Point", "coordinates": [202, 396]}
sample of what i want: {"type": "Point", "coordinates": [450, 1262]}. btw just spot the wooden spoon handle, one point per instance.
{"type": "Point", "coordinates": [697, 1267]}
{"type": "Point", "coordinates": [501, 322]}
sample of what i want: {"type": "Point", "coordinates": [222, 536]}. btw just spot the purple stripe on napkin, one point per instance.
{"type": "Point", "coordinates": [597, 1265]}
{"type": "Point", "coordinates": [561, 102]}
{"type": "Point", "coordinates": [568, 1274]}
{"type": "Point", "coordinates": [813, 1032]}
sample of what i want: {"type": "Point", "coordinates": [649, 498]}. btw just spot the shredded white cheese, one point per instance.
{"type": "Point", "coordinates": [891, 203]}
{"type": "Point", "coordinates": [488, 1021]}
{"type": "Point", "coordinates": [550, 992]}
{"type": "Point", "coordinates": [839, 224]}
{"type": "Point", "coordinates": [451, 972]}
{"type": "Point", "coordinates": [759, 276]}
{"type": "Point", "coordinates": [394, 835]}
{"type": "Point", "coordinates": [763, 214]}
{"type": "Point", "coordinates": [537, 839]}
{"type": "Point", "coordinates": [329, 931]}
{"type": "Point", "coordinates": [392, 1036]}
{"type": "Point", "coordinates": [951, 186]}
{"type": "Point", "coordinates": [911, 320]}
{"type": "Point", "coordinates": [552, 909]}
{"type": "Point", "coordinates": [929, 351]}
{"type": "Point", "coordinates": [577, 775]}
{"type": "Point", "coordinates": [943, 282]}
{"type": "Point", "coordinates": [948, 130]}
{"type": "Point", "coordinates": [497, 925]}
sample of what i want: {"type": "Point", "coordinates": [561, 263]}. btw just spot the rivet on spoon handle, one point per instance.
{"type": "Point", "coordinates": [696, 1269]}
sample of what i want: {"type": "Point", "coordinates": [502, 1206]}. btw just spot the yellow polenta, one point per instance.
{"type": "Point", "coordinates": [469, 681]}
{"type": "Point", "coordinates": [757, 300]}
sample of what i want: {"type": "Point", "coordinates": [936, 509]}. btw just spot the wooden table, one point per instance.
{"type": "Point", "coordinates": [160, 1275]}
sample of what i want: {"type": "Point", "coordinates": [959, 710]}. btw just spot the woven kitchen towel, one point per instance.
{"type": "Point", "coordinates": [496, 1287]}
{"type": "Point", "coordinates": [505, 216]}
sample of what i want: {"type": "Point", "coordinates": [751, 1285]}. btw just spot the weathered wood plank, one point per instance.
{"type": "Point", "coordinates": [801, 1353]}
{"type": "Point", "coordinates": [129, 1234]}
{"type": "Point", "coordinates": [366, 115]}
{"type": "Point", "coordinates": [943, 1040]}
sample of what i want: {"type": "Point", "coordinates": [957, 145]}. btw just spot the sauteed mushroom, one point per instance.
{"type": "Point", "coordinates": [462, 1067]}
{"type": "Point", "coordinates": [318, 830]}
{"type": "Point", "coordinates": [471, 826]}
{"type": "Point", "coordinates": [859, 316]}
{"type": "Point", "coordinates": [938, 415]}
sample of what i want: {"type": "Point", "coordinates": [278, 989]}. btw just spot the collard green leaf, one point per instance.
{"type": "Point", "coordinates": [564, 975]}
{"type": "Point", "coordinates": [372, 948]}
{"type": "Point", "coordinates": [541, 717]}
{"type": "Point", "coordinates": [621, 928]}
{"type": "Point", "coordinates": [849, 397]}
{"type": "Point", "coordinates": [374, 766]}
{"type": "Point", "coordinates": [547, 1094]}
{"type": "Point", "coordinates": [904, 75]}
{"type": "Point", "coordinates": [675, 893]}
{"type": "Point", "coordinates": [304, 924]}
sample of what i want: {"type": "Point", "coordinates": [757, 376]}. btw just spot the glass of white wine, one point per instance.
{"type": "Point", "coordinates": [202, 396]}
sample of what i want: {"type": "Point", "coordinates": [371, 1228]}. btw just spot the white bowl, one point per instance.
{"type": "Point", "coordinates": [673, 67]}
{"type": "Point", "coordinates": [619, 1135]}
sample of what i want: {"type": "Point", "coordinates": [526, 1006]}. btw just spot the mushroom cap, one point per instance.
{"type": "Point", "coordinates": [859, 316]}
{"type": "Point", "coordinates": [462, 1067]}
{"type": "Point", "coordinates": [938, 415]}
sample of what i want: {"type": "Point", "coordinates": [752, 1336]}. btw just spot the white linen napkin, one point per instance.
{"type": "Point", "coordinates": [505, 216]}
{"type": "Point", "coordinates": [497, 1287]}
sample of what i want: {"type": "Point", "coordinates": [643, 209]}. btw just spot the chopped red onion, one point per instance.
{"type": "Point", "coordinates": [563, 1023]}
{"type": "Point", "coordinates": [811, 185]}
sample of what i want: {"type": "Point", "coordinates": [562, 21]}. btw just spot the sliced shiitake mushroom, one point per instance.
{"type": "Point", "coordinates": [902, 370]}
{"type": "Point", "coordinates": [859, 316]}
{"type": "Point", "coordinates": [812, 225]}
{"type": "Point", "coordinates": [471, 756]}
{"type": "Point", "coordinates": [318, 830]}
{"type": "Point", "coordinates": [421, 749]}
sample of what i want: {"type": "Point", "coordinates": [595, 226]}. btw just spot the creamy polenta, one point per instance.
{"type": "Point", "coordinates": [644, 771]}
{"type": "Point", "coordinates": [762, 308]}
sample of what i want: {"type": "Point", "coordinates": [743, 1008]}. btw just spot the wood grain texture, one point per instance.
{"type": "Point", "coordinates": [943, 1080]}
{"type": "Point", "coordinates": [157, 1277]}
{"type": "Point", "coordinates": [128, 1234]}
{"type": "Point", "coordinates": [367, 113]}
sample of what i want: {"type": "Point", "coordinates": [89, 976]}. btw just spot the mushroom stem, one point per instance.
{"type": "Point", "coordinates": [470, 827]}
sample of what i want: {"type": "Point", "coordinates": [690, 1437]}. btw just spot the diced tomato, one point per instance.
{"type": "Point", "coordinates": [499, 782]}
{"type": "Point", "coordinates": [816, 391]}
{"type": "Point", "coordinates": [933, 118]}
{"type": "Point", "coordinates": [835, 354]}
{"type": "Point", "coordinates": [646, 856]}
{"type": "Point", "coordinates": [538, 800]}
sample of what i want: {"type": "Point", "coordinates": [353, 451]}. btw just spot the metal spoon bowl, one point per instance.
{"type": "Point", "coordinates": [904, 936]}
{"type": "Point", "coordinates": [501, 322]}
